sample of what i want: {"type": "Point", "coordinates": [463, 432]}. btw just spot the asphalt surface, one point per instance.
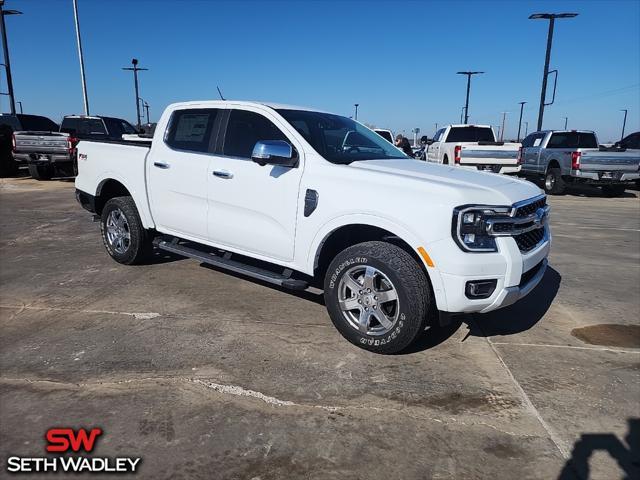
{"type": "Point", "coordinates": [209, 375]}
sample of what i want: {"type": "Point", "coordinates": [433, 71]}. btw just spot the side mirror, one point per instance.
{"type": "Point", "coordinates": [274, 152]}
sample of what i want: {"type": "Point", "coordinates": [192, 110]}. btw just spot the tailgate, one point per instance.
{"type": "Point", "coordinates": [41, 142]}
{"type": "Point", "coordinates": [610, 161]}
{"type": "Point", "coordinates": [478, 154]}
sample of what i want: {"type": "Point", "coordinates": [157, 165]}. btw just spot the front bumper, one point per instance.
{"type": "Point", "coordinates": [517, 273]}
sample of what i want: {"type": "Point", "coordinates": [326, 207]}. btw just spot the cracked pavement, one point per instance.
{"type": "Point", "coordinates": [209, 375]}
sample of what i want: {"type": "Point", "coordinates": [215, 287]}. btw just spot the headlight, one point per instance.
{"type": "Point", "coordinates": [469, 227]}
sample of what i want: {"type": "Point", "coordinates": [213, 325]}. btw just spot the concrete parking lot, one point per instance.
{"type": "Point", "coordinates": [209, 375]}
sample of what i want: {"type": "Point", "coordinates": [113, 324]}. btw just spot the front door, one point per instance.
{"type": "Point", "coordinates": [253, 208]}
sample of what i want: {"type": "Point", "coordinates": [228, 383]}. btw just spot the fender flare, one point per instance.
{"type": "Point", "coordinates": [139, 198]}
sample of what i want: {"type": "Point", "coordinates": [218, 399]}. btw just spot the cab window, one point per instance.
{"type": "Point", "coordinates": [245, 129]}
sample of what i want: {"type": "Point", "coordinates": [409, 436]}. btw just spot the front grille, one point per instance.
{"type": "Point", "coordinates": [529, 208]}
{"type": "Point", "coordinates": [529, 240]}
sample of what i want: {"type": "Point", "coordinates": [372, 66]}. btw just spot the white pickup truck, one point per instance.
{"type": "Point", "coordinates": [474, 147]}
{"type": "Point", "coordinates": [276, 193]}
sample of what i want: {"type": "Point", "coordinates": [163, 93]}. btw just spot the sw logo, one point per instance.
{"type": "Point", "coordinates": [63, 441]}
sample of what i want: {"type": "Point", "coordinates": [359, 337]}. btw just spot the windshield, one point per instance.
{"type": "Point", "coordinates": [339, 139]}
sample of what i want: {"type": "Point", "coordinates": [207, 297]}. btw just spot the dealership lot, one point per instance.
{"type": "Point", "coordinates": [208, 375]}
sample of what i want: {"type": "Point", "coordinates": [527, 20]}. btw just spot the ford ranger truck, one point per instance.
{"type": "Point", "coordinates": [474, 147]}
{"type": "Point", "coordinates": [297, 197]}
{"type": "Point", "coordinates": [566, 157]}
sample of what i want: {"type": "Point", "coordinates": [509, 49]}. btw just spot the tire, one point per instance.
{"type": "Point", "coordinates": [123, 235]}
{"type": "Point", "coordinates": [40, 173]}
{"type": "Point", "coordinates": [392, 272]}
{"type": "Point", "coordinates": [554, 183]}
{"type": "Point", "coordinates": [8, 166]}
{"type": "Point", "coordinates": [613, 190]}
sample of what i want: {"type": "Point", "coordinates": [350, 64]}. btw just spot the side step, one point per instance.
{"type": "Point", "coordinates": [283, 280]}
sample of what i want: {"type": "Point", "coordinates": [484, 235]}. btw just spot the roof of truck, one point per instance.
{"type": "Point", "coordinates": [275, 106]}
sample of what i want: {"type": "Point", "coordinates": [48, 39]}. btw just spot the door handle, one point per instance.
{"type": "Point", "coordinates": [161, 165]}
{"type": "Point", "coordinates": [222, 174]}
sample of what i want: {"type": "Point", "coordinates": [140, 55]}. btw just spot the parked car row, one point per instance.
{"type": "Point", "coordinates": [557, 157]}
{"type": "Point", "coordinates": [49, 150]}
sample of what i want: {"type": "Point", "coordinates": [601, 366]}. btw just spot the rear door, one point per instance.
{"type": "Point", "coordinates": [178, 171]}
{"type": "Point", "coordinates": [253, 208]}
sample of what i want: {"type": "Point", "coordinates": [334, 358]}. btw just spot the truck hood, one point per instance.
{"type": "Point", "coordinates": [483, 187]}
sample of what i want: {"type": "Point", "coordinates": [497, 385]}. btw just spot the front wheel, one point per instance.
{"type": "Point", "coordinates": [377, 296]}
{"type": "Point", "coordinates": [554, 183]}
{"type": "Point", "coordinates": [44, 172]}
{"type": "Point", "coordinates": [123, 235]}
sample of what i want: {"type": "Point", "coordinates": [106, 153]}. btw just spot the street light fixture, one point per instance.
{"type": "Point", "coordinates": [552, 18]}
{"type": "Point", "coordinates": [5, 48]}
{"type": "Point", "coordinates": [624, 122]}
{"type": "Point", "coordinates": [520, 121]}
{"type": "Point", "coordinates": [466, 103]}
{"type": "Point", "coordinates": [356, 105]}
{"type": "Point", "coordinates": [136, 69]}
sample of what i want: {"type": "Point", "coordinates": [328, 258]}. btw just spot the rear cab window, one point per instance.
{"type": "Point", "coordinates": [470, 134]}
{"type": "Point", "coordinates": [533, 140]}
{"type": "Point", "coordinates": [572, 140]}
{"type": "Point", "coordinates": [192, 129]}
{"type": "Point", "coordinates": [37, 123]}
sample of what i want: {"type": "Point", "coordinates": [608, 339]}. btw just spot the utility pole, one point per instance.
{"type": "Point", "coordinates": [135, 70]}
{"type": "Point", "coordinates": [81, 58]}
{"type": "Point", "coordinates": [624, 122]}
{"type": "Point", "coordinates": [566, 120]}
{"type": "Point", "coordinates": [356, 105]}
{"type": "Point", "coordinates": [146, 107]}
{"type": "Point", "coordinates": [5, 48]}
{"type": "Point", "coordinates": [504, 116]}
{"type": "Point", "coordinates": [520, 121]}
{"type": "Point", "coordinates": [552, 18]}
{"type": "Point", "coordinates": [466, 103]}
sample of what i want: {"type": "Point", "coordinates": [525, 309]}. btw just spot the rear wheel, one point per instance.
{"type": "Point", "coordinates": [123, 235]}
{"type": "Point", "coordinates": [8, 166]}
{"type": "Point", "coordinates": [377, 296]}
{"type": "Point", "coordinates": [41, 172]}
{"type": "Point", "coordinates": [554, 183]}
{"type": "Point", "coordinates": [613, 190]}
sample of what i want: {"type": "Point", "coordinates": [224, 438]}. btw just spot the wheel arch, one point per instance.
{"type": "Point", "coordinates": [108, 189]}
{"type": "Point", "coordinates": [553, 163]}
{"type": "Point", "coordinates": [345, 232]}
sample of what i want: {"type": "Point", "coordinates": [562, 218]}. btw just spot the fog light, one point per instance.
{"type": "Point", "coordinates": [478, 289]}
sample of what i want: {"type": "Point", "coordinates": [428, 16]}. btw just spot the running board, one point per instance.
{"type": "Point", "coordinates": [283, 280]}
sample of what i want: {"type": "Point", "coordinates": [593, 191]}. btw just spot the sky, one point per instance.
{"type": "Point", "coordinates": [397, 60]}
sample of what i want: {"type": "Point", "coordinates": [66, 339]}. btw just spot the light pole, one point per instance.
{"type": "Point", "coordinates": [135, 70]}
{"type": "Point", "coordinates": [552, 18]}
{"type": "Point", "coordinates": [436, 127]}
{"type": "Point", "coordinates": [526, 128]}
{"type": "Point", "coordinates": [20, 105]}
{"type": "Point", "coordinates": [81, 58]}
{"type": "Point", "coordinates": [624, 122]}
{"type": "Point", "coordinates": [520, 121]}
{"type": "Point", "coordinates": [356, 105]}
{"type": "Point", "coordinates": [504, 116]}
{"type": "Point", "coordinates": [461, 114]}
{"type": "Point", "coordinates": [566, 120]}
{"type": "Point", "coordinates": [5, 48]}
{"type": "Point", "coordinates": [145, 106]}
{"type": "Point", "coordinates": [466, 103]}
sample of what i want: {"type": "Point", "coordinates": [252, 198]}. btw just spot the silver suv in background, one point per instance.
{"type": "Point", "coordinates": [563, 157]}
